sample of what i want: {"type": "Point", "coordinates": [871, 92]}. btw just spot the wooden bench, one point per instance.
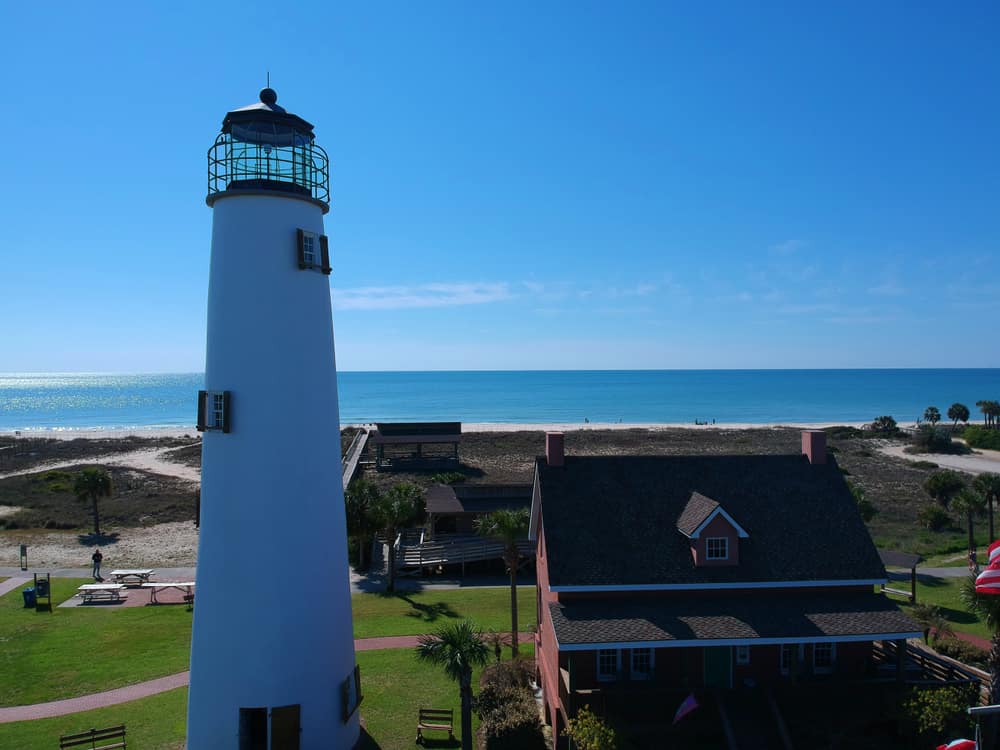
{"type": "Point", "coordinates": [95, 739]}
{"type": "Point", "coordinates": [442, 719]}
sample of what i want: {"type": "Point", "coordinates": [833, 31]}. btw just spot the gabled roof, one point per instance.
{"type": "Point", "coordinates": [610, 521]}
{"type": "Point", "coordinates": [699, 512]}
{"type": "Point", "coordinates": [476, 498]}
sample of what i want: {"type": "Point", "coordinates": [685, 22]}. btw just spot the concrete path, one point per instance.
{"type": "Point", "coordinates": [12, 583]}
{"type": "Point", "coordinates": [975, 463]}
{"type": "Point", "coordinates": [163, 684]}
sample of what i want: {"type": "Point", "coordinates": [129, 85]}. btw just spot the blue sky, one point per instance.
{"type": "Point", "coordinates": [576, 185]}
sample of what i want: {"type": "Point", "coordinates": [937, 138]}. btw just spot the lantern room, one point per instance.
{"type": "Point", "coordinates": [266, 150]}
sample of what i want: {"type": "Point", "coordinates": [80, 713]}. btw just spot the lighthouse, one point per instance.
{"type": "Point", "coordinates": [272, 652]}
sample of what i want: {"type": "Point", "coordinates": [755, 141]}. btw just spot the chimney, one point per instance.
{"type": "Point", "coordinates": [554, 453]}
{"type": "Point", "coordinates": [814, 446]}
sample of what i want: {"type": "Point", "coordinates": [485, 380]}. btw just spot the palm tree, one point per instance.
{"type": "Point", "coordinates": [958, 412]}
{"type": "Point", "coordinates": [391, 512]}
{"type": "Point", "coordinates": [972, 504]}
{"type": "Point", "coordinates": [93, 484]}
{"type": "Point", "coordinates": [458, 648]}
{"type": "Point", "coordinates": [987, 606]}
{"type": "Point", "coordinates": [984, 407]}
{"type": "Point", "coordinates": [360, 498]}
{"type": "Point", "coordinates": [944, 485]}
{"type": "Point", "coordinates": [932, 415]}
{"type": "Point", "coordinates": [509, 527]}
{"type": "Point", "coordinates": [988, 485]}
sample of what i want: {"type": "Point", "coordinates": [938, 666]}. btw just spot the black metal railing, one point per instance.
{"type": "Point", "coordinates": [301, 168]}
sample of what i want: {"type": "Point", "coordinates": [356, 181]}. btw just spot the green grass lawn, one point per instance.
{"type": "Point", "coordinates": [75, 651]}
{"type": "Point", "coordinates": [412, 613]}
{"type": "Point", "coordinates": [156, 723]}
{"type": "Point", "coordinates": [394, 683]}
{"type": "Point", "coordinates": [943, 592]}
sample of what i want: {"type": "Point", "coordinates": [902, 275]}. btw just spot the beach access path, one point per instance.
{"type": "Point", "coordinates": [980, 462]}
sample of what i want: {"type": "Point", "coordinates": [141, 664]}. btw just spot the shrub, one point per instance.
{"type": "Point", "coordinates": [934, 517]}
{"type": "Point", "coordinates": [885, 425]}
{"type": "Point", "coordinates": [843, 432]}
{"type": "Point", "coordinates": [865, 507]}
{"type": "Point", "coordinates": [944, 485]}
{"type": "Point", "coordinates": [508, 718]}
{"type": "Point", "coordinates": [963, 651]}
{"type": "Point", "coordinates": [935, 440]}
{"type": "Point", "coordinates": [516, 673]}
{"type": "Point", "coordinates": [589, 732]}
{"type": "Point", "coordinates": [978, 436]}
{"type": "Point", "coordinates": [923, 465]}
{"type": "Point", "coordinates": [940, 709]}
{"type": "Point", "coordinates": [448, 477]}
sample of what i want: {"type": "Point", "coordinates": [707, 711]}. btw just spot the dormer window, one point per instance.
{"type": "Point", "coordinates": [717, 548]}
{"type": "Point", "coordinates": [313, 251]}
{"type": "Point", "coordinates": [714, 534]}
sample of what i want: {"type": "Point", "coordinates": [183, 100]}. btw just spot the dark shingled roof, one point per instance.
{"type": "Point", "coordinates": [749, 616]}
{"type": "Point", "coordinates": [477, 498]}
{"type": "Point", "coordinates": [612, 520]}
{"type": "Point", "coordinates": [698, 508]}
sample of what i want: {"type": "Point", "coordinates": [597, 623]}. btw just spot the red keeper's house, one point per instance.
{"type": "Point", "coordinates": [695, 573]}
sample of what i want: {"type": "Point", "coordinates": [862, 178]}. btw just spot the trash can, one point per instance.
{"type": "Point", "coordinates": [42, 586]}
{"type": "Point", "coordinates": [29, 597]}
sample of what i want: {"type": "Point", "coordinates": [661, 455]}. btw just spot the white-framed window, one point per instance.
{"type": "Point", "coordinates": [824, 656]}
{"type": "Point", "coordinates": [743, 655]}
{"type": "Point", "coordinates": [609, 664]}
{"type": "Point", "coordinates": [788, 655]}
{"type": "Point", "coordinates": [717, 548]}
{"type": "Point", "coordinates": [309, 249]}
{"type": "Point", "coordinates": [217, 416]}
{"type": "Point", "coordinates": [642, 664]}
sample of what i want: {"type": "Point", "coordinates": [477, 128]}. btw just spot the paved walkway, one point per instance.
{"type": "Point", "coordinates": [163, 684]}
{"type": "Point", "coordinates": [12, 583]}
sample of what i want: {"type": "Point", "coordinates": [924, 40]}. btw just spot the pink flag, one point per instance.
{"type": "Point", "coordinates": [958, 745]}
{"type": "Point", "coordinates": [988, 582]}
{"type": "Point", "coordinates": [993, 552]}
{"type": "Point", "coordinates": [689, 705]}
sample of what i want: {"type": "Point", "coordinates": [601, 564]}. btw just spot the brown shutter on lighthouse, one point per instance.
{"type": "Point", "coordinates": [325, 249]}
{"type": "Point", "coordinates": [201, 410]}
{"type": "Point", "coordinates": [285, 727]}
{"type": "Point", "coordinates": [301, 235]}
{"type": "Point", "coordinates": [225, 411]}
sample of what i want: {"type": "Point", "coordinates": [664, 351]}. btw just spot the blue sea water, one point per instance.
{"type": "Point", "coordinates": [85, 401]}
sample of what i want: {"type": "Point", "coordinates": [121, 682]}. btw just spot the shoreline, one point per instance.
{"type": "Point", "coordinates": [97, 433]}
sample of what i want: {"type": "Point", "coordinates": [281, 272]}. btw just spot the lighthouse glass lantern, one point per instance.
{"type": "Point", "coordinates": [272, 650]}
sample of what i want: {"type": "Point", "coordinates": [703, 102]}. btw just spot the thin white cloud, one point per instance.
{"type": "Point", "coordinates": [421, 296]}
{"type": "Point", "coordinates": [888, 288]}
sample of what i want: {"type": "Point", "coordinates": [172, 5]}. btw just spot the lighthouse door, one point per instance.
{"type": "Point", "coordinates": [285, 728]}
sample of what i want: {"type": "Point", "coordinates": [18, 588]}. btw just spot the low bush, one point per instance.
{"type": "Point", "coordinates": [963, 651]}
{"type": "Point", "coordinates": [843, 432]}
{"type": "Point", "coordinates": [934, 517]}
{"type": "Point", "coordinates": [930, 439]}
{"type": "Point", "coordinates": [885, 426]}
{"type": "Point", "coordinates": [448, 477]}
{"type": "Point", "coordinates": [924, 465]}
{"type": "Point", "coordinates": [978, 436]}
{"type": "Point", "coordinates": [508, 717]}
{"type": "Point", "coordinates": [516, 673]}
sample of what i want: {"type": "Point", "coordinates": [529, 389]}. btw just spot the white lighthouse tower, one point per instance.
{"type": "Point", "coordinates": [272, 654]}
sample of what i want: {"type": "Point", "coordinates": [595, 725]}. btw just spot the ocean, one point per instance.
{"type": "Point", "coordinates": [95, 401]}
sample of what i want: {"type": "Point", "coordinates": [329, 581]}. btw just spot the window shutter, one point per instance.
{"type": "Point", "coordinates": [325, 249]}
{"type": "Point", "coordinates": [225, 411]}
{"type": "Point", "coordinates": [285, 727]}
{"type": "Point", "coordinates": [301, 237]}
{"type": "Point", "coordinates": [202, 396]}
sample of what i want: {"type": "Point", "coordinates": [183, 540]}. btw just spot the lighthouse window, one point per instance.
{"type": "Point", "coordinates": [313, 251]}
{"type": "Point", "coordinates": [213, 410]}
{"type": "Point", "coordinates": [308, 250]}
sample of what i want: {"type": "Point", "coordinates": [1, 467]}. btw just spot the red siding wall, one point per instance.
{"type": "Point", "coordinates": [717, 527]}
{"type": "Point", "coordinates": [546, 653]}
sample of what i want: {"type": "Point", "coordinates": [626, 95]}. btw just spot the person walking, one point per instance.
{"type": "Point", "coordinates": [97, 557]}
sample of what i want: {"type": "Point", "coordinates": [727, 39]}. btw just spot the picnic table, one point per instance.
{"type": "Point", "coordinates": [185, 586]}
{"type": "Point", "coordinates": [92, 591]}
{"type": "Point", "coordinates": [132, 575]}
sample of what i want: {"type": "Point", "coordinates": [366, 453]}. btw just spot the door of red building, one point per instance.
{"type": "Point", "coordinates": [718, 667]}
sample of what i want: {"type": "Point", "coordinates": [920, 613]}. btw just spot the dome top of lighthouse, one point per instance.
{"type": "Point", "coordinates": [266, 122]}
